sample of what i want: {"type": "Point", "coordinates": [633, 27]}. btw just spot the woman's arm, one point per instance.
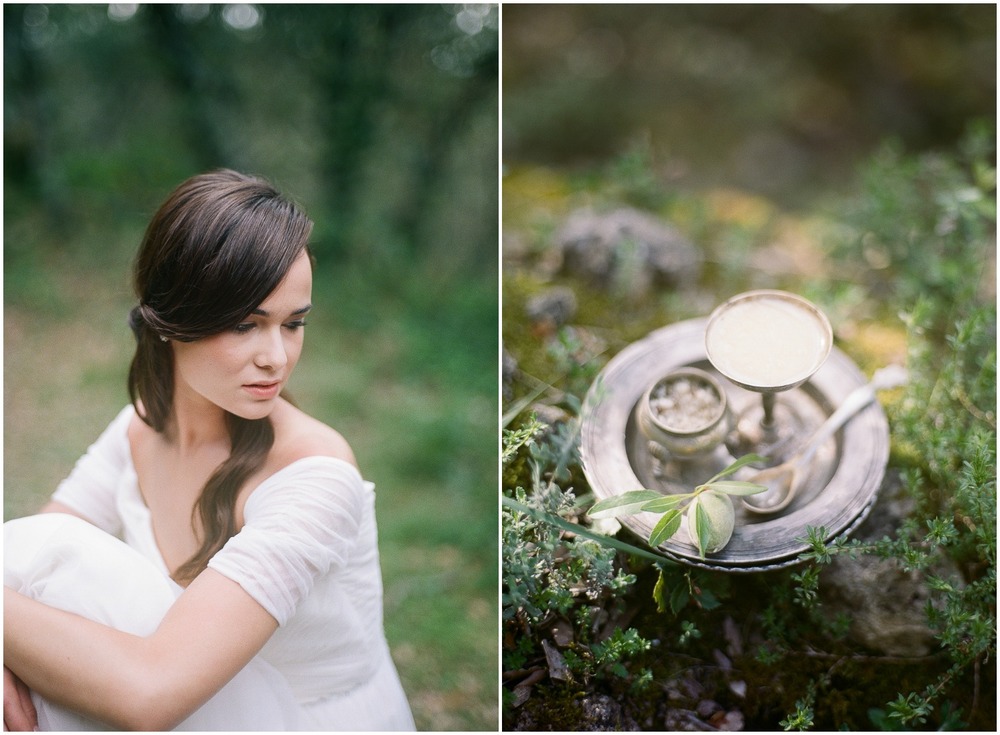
{"type": "Point", "coordinates": [18, 711]}
{"type": "Point", "coordinates": [54, 506]}
{"type": "Point", "coordinates": [209, 634]}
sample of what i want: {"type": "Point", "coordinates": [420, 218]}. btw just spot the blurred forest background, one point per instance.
{"type": "Point", "coordinates": [381, 120]}
{"type": "Point", "coordinates": [778, 100]}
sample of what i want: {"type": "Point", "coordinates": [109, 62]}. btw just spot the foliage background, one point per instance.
{"type": "Point", "coordinates": [783, 101]}
{"type": "Point", "coordinates": [382, 121]}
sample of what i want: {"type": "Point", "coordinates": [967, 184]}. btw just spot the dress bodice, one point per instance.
{"type": "Point", "coordinates": [307, 553]}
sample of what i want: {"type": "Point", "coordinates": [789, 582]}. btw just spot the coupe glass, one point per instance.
{"type": "Point", "coordinates": [768, 342]}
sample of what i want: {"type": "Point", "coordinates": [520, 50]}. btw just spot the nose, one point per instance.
{"type": "Point", "coordinates": [271, 353]}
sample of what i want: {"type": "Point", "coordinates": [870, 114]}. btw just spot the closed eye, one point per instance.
{"type": "Point", "coordinates": [294, 324]}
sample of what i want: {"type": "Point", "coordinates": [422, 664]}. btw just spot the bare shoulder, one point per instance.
{"type": "Point", "coordinates": [139, 432]}
{"type": "Point", "coordinates": [298, 435]}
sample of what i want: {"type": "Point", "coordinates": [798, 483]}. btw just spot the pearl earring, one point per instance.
{"type": "Point", "coordinates": [162, 338]}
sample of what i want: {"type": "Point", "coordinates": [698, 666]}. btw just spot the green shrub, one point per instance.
{"type": "Point", "coordinates": [546, 571]}
{"type": "Point", "coordinates": [929, 222]}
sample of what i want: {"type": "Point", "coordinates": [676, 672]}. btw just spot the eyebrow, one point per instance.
{"type": "Point", "coordinates": [298, 312]}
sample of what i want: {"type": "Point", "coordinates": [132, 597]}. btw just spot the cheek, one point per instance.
{"type": "Point", "coordinates": [293, 349]}
{"type": "Point", "coordinates": [206, 358]}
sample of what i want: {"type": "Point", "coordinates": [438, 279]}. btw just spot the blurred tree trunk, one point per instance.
{"type": "Point", "coordinates": [27, 112]}
{"type": "Point", "coordinates": [481, 88]}
{"type": "Point", "coordinates": [198, 85]}
{"type": "Point", "coordinates": [355, 85]}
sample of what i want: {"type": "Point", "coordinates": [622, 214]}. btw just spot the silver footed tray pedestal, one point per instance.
{"type": "Point", "coordinates": [838, 490]}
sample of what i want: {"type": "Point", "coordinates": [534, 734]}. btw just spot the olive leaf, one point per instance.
{"type": "Point", "coordinates": [665, 528]}
{"type": "Point", "coordinates": [699, 521]}
{"type": "Point", "coordinates": [666, 502]}
{"type": "Point", "coordinates": [737, 465]}
{"type": "Point", "coordinates": [736, 487]}
{"type": "Point", "coordinates": [709, 510]}
{"type": "Point", "coordinates": [714, 522]}
{"type": "Point", "coordinates": [625, 504]}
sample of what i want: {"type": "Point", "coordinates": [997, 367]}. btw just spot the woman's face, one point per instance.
{"type": "Point", "coordinates": [244, 369]}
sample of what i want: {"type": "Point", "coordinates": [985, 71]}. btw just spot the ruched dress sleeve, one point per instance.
{"type": "Point", "coordinates": [91, 488]}
{"type": "Point", "coordinates": [299, 525]}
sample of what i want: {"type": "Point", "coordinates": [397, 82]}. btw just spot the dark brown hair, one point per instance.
{"type": "Point", "coordinates": [215, 249]}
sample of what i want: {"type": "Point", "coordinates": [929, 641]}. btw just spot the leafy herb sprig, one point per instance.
{"type": "Point", "coordinates": [709, 508]}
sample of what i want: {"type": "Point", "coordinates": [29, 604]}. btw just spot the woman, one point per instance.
{"type": "Point", "coordinates": [248, 595]}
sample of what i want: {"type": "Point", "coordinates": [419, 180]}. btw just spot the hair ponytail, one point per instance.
{"type": "Point", "coordinates": [216, 248]}
{"type": "Point", "coordinates": [151, 374]}
{"type": "Point", "coordinates": [251, 441]}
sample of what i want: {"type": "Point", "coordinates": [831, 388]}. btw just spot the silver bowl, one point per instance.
{"type": "Point", "coordinates": [686, 412]}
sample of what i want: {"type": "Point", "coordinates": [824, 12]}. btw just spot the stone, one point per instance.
{"type": "Point", "coordinates": [556, 663]}
{"type": "Point", "coordinates": [602, 713]}
{"type": "Point", "coordinates": [551, 309]}
{"type": "Point", "coordinates": [731, 721]}
{"type": "Point", "coordinates": [707, 707]}
{"type": "Point", "coordinates": [627, 250]}
{"type": "Point", "coordinates": [594, 713]}
{"type": "Point", "coordinates": [886, 605]}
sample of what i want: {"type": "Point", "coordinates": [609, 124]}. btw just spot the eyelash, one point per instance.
{"type": "Point", "coordinates": [245, 327]}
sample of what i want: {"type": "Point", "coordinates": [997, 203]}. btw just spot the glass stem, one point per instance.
{"type": "Point", "coordinates": [767, 423]}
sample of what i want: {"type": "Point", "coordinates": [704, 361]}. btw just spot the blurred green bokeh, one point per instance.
{"type": "Point", "coordinates": [781, 100]}
{"type": "Point", "coordinates": [382, 121]}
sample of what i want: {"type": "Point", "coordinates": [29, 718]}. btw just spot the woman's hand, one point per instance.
{"type": "Point", "coordinates": [18, 710]}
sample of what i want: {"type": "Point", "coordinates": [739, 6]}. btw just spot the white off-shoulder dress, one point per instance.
{"type": "Point", "coordinates": [307, 553]}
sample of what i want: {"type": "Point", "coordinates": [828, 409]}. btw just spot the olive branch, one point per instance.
{"type": "Point", "coordinates": [709, 508]}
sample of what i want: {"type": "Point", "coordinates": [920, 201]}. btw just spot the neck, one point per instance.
{"type": "Point", "coordinates": [196, 424]}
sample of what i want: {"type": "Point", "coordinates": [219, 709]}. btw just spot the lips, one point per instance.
{"type": "Point", "coordinates": [263, 390]}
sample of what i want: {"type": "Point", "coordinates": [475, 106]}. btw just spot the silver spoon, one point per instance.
{"type": "Point", "coordinates": [783, 480]}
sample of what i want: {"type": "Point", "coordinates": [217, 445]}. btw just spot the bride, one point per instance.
{"type": "Point", "coordinates": [245, 592]}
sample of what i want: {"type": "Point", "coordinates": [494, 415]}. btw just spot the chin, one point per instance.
{"type": "Point", "coordinates": [254, 412]}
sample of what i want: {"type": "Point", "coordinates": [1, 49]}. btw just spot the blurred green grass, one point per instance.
{"type": "Point", "coordinates": [408, 375]}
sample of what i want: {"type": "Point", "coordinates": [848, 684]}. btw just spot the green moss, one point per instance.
{"type": "Point", "coordinates": [554, 707]}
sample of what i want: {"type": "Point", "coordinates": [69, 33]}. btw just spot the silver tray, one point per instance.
{"type": "Point", "coordinates": [837, 494]}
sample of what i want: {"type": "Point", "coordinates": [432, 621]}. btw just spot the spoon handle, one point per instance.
{"type": "Point", "coordinates": [887, 377]}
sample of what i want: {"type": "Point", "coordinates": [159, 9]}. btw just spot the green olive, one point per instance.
{"type": "Point", "coordinates": [711, 519]}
